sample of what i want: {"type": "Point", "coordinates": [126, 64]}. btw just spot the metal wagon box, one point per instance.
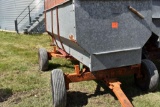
{"type": "Point", "coordinates": [101, 34]}
{"type": "Point", "coordinates": [107, 37]}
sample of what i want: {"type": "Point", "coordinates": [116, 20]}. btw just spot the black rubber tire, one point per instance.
{"type": "Point", "coordinates": [43, 59]}
{"type": "Point", "coordinates": [59, 93]}
{"type": "Point", "coordinates": [150, 76]}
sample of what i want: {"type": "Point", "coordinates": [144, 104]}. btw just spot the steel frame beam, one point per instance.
{"type": "Point", "coordinates": [57, 52]}
{"type": "Point", "coordinates": [108, 76]}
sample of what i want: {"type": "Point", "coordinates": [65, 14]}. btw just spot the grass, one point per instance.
{"type": "Point", "coordinates": [23, 85]}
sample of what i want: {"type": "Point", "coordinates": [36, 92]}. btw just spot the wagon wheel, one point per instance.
{"type": "Point", "coordinates": [58, 88]}
{"type": "Point", "coordinates": [43, 59]}
{"type": "Point", "coordinates": [150, 77]}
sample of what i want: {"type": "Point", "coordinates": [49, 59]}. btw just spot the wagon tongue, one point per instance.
{"type": "Point", "coordinates": [115, 87]}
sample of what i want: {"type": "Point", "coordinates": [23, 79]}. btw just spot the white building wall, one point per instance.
{"type": "Point", "coordinates": [10, 9]}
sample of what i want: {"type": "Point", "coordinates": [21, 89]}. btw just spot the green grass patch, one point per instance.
{"type": "Point", "coordinates": [23, 85]}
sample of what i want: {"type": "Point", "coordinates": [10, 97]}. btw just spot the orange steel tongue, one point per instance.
{"type": "Point", "coordinates": [115, 87]}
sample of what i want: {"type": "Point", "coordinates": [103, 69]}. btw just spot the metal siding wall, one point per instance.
{"type": "Point", "coordinates": [0, 15]}
{"type": "Point", "coordinates": [20, 6]}
{"type": "Point", "coordinates": [7, 14]}
{"type": "Point", "coordinates": [10, 9]}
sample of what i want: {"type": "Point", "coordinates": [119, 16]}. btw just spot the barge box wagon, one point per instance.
{"type": "Point", "coordinates": [106, 33]}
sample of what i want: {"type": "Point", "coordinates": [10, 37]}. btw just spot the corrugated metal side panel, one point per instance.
{"type": "Point", "coordinates": [38, 8]}
{"type": "Point", "coordinates": [66, 17]}
{"type": "Point", "coordinates": [48, 21]}
{"type": "Point", "coordinates": [20, 6]}
{"type": "Point", "coordinates": [0, 15]}
{"type": "Point", "coordinates": [10, 9]}
{"type": "Point", "coordinates": [7, 14]}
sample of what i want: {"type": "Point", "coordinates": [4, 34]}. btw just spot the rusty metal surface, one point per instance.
{"type": "Point", "coordinates": [136, 12]}
{"type": "Point", "coordinates": [101, 75]}
{"type": "Point", "coordinates": [53, 3]}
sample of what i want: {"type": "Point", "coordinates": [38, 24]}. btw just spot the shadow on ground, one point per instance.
{"type": "Point", "coordinates": [5, 94]}
{"type": "Point", "coordinates": [55, 66]}
{"type": "Point", "coordinates": [79, 99]}
{"type": "Point", "coordinates": [76, 99]}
